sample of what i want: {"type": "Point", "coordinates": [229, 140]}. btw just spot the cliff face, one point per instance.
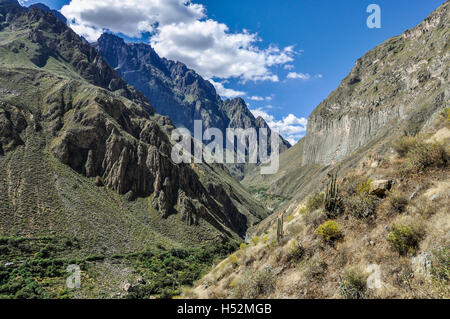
{"type": "Point", "coordinates": [398, 86]}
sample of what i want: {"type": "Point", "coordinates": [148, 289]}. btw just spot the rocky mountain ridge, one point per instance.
{"type": "Point", "coordinates": [62, 99]}
{"type": "Point", "coordinates": [177, 91]}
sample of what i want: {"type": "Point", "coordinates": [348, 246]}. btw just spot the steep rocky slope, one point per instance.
{"type": "Point", "coordinates": [177, 91]}
{"type": "Point", "coordinates": [78, 126]}
{"type": "Point", "coordinates": [398, 86]}
{"type": "Point", "coordinates": [383, 232]}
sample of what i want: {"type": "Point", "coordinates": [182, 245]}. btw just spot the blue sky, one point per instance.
{"type": "Point", "coordinates": [249, 47]}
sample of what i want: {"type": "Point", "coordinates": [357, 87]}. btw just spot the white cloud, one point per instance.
{"type": "Point", "coordinates": [181, 31]}
{"type": "Point", "coordinates": [210, 49]}
{"type": "Point", "coordinates": [226, 93]}
{"type": "Point", "coordinates": [292, 128]}
{"type": "Point", "coordinates": [130, 17]}
{"type": "Point", "coordinates": [260, 98]}
{"type": "Point", "coordinates": [288, 67]}
{"type": "Point", "coordinates": [301, 76]}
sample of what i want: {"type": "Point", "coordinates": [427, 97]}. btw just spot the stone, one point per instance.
{"type": "Point", "coordinates": [421, 264]}
{"type": "Point", "coordinates": [126, 286]}
{"type": "Point", "coordinates": [99, 182]}
{"type": "Point", "coordinates": [379, 188]}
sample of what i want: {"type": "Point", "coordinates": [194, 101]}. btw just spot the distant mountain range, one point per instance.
{"type": "Point", "coordinates": [177, 91]}
{"type": "Point", "coordinates": [97, 148]}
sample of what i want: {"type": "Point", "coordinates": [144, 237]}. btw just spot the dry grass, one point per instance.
{"type": "Point", "coordinates": [303, 266]}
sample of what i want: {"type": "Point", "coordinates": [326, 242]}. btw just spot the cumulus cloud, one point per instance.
{"type": "Point", "coordinates": [130, 17]}
{"type": "Point", "coordinates": [225, 92]}
{"type": "Point", "coordinates": [180, 30]}
{"type": "Point", "coordinates": [288, 67]}
{"type": "Point", "coordinates": [292, 128]}
{"type": "Point", "coordinates": [301, 76]}
{"type": "Point", "coordinates": [260, 98]}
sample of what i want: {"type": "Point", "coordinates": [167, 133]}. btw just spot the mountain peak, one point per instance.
{"type": "Point", "coordinates": [46, 9]}
{"type": "Point", "coordinates": [106, 36]}
{"type": "Point", "coordinates": [8, 6]}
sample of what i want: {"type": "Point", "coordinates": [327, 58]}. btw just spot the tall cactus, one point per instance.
{"type": "Point", "coordinates": [280, 231]}
{"type": "Point", "coordinates": [332, 198]}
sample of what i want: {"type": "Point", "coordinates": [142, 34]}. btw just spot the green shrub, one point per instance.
{"type": "Point", "coordinates": [404, 238]}
{"type": "Point", "coordinates": [360, 206]}
{"type": "Point", "coordinates": [315, 202]}
{"type": "Point", "coordinates": [425, 155]}
{"type": "Point", "coordinates": [363, 189]}
{"type": "Point", "coordinates": [234, 260]}
{"type": "Point", "coordinates": [255, 240]}
{"type": "Point", "coordinates": [353, 284]}
{"type": "Point", "coordinates": [330, 231]}
{"type": "Point", "coordinates": [404, 144]}
{"type": "Point", "coordinates": [295, 253]}
{"type": "Point", "coordinates": [95, 258]}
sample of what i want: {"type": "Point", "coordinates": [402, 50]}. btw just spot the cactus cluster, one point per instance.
{"type": "Point", "coordinates": [333, 202]}
{"type": "Point", "coordinates": [280, 231]}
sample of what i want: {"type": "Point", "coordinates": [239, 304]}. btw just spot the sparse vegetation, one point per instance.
{"type": "Point", "coordinates": [315, 218]}
{"type": "Point", "coordinates": [295, 253]}
{"type": "Point", "coordinates": [315, 267]}
{"type": "Point", "coordinates": [426, 155]}
{"type": "Point", "coordinates": [315, 202]}
{"type": "Point", "coordinates": [397, 201]}
{"type": "Point", "coordinates": [446, 113]}
{"type": "Point", "coordinates": [440, 268]}
{"type": "Point", "coordinates": [254, 285]}
{"type": "Point", "coordinates": [404, 144]}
